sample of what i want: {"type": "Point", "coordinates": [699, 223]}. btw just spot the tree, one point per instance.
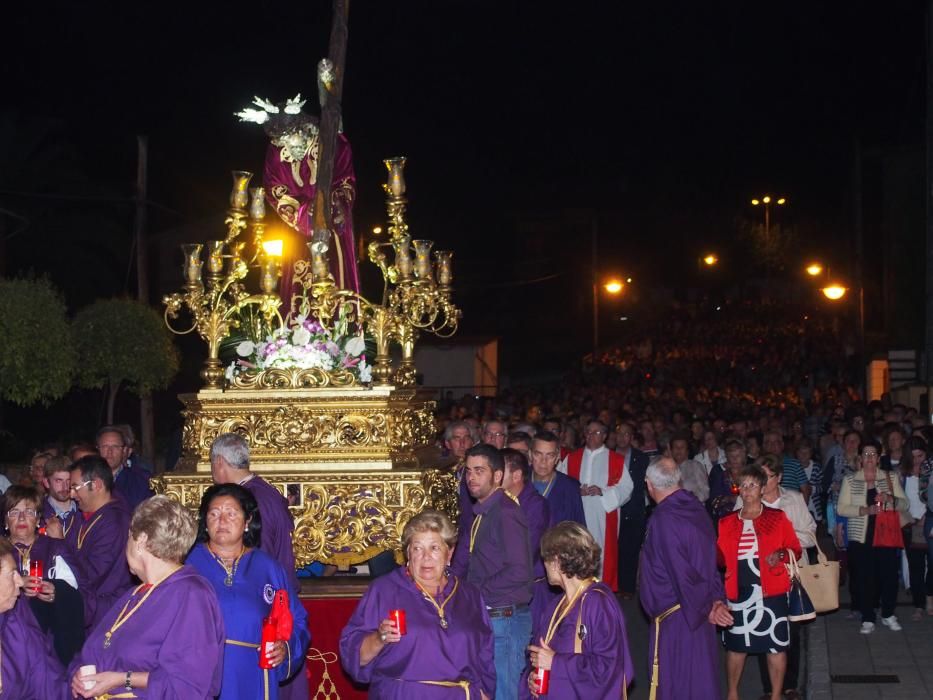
{"type": "Point", "coordinates": [37, 359]}
{"type": "Point", "coordinates": [122, 342]}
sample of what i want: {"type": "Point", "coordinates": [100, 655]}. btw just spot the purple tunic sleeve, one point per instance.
{"type": "Point", "coordinates": [28, 666]}
{"type": "Point", "coordinates": [427, 652]}
{"type": "Point", "coordinates": [277, 526]}
{"type": "Point", "coordinates": [100, 556]}
{"type": "Point", "coordinates": [177, 636]}
{"type": "Point", "coordinates": [605, 662]}
{"type": "Point", "coordinates": [679, 561]}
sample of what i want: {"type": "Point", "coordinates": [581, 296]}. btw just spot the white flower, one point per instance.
{"type": "Point", "coordinates": [366, 372]}
{"type": "Point", "coordinates": [246, 348]}
{"type": "Point", "coordinates": [228, 373]}
{"type": "Point", "coordinates": [301, 336]}
{"type": "Point", "coordinates": [355, 346]}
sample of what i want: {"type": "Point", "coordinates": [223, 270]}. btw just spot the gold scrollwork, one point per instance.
{"type": "Point", "coordinates": [281, 378]}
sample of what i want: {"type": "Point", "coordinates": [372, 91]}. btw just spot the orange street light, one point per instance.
{"type": "Point", "coordinates": [710, 259]}
{"type": "Point", "coordinates": [614, 286]}
{"type": "Point", "coordinates": [377, 230]}
{"type": "Point", "coordinates": [273, 248]}
{"type": "Point", "coordinates": [814, 269]}
{"type": "Point", "coordinates": [834, 291]}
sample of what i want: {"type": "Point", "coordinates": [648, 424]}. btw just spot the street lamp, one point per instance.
{"type": "Point", "coordinates": [613, 286]}
{"type": "Point", "coordinates": [710, 259]}
{"type": "Point", "coordinates": [834, 291]}
{"type": "Point", "coordinates": [766, 201]}
{"type": "Point", "coordinates": [814, 269]}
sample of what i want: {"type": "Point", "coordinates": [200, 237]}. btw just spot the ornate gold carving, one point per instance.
{"type": "Point", "coordinates": [342, 519]}
{"type": "Point", "coordinates": [278, 378]}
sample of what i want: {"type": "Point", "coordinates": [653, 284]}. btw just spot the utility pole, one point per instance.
{"type": "Point", "coordinates": [146, 414]}
{"type": "Point", "coordinates": [928, 349]}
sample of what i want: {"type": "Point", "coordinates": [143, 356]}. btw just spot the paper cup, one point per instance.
{"type": "Point", "coordinates": [88, 670]}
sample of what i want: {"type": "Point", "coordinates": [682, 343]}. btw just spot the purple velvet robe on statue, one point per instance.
{"type": "Point", "coordinates": [177, 635]}
{"type": "Point", "coordinates": [294, 203]}
{"type": "Point", "coordinates": [678, 565]}
{"type": "Point", "coordinates": [99, 557]}
{"type": "Point", "coordinates": [29, 668]}
{"type": "Point", "coordinates": [604, 667]}
{"type": "Point", "coordinates": [464, 651]}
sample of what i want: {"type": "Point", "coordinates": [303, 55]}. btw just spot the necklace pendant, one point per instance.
{"type": "Point", "coordinates": [444, 624]}
{"type": "Point", "coordinates": [107, 642]}
{"type": "Point", "coordinates": [228, 582]}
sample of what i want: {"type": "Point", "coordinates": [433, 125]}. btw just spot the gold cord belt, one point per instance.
{"type": "Point", "coordinates": [451, 684]}
{"type": "Point", "coordinates": [657, 643]}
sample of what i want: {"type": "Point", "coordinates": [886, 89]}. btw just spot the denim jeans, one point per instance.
{"type": "Point", "coordinates": [512, 636]}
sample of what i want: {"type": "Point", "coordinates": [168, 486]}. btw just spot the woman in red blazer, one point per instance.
{"type": "Point", "coordinates": [752, 546]}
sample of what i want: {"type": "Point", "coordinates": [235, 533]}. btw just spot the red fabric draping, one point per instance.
{"type": "Point", "coordinates": [326, 678]}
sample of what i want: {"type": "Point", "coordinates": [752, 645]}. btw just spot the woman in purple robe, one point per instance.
{"type": "Point", "coordinates": [446, 650]}
{"type": "Point", "coordinates": [581, 638]}
{"type": "Point", "coordinates": [164, 638]}
{"type": "Point", "coordinates": [28, 667]}
{"type": "Point", "coordinates": [53, 594]}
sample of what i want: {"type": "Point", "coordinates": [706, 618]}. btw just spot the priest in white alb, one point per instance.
{"type": "Point", "coordinates": [605, 484]}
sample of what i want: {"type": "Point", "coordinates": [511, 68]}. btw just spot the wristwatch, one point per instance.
{"type": "Point", "coordinates": [128, 685]}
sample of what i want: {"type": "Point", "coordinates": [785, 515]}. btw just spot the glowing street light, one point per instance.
{"type": "Point", "coordinates": [710, 259]}
{"type": "Point", "coordinates": [814, 269]}
{"type": "Point", "coordinates": [834, 291]}
{"type": "Point", "coordinates": [377, 230]}
{"type": "Point", "coordinates": [614, 286]}
{"type": "Point", "coordinates": [766, 202]}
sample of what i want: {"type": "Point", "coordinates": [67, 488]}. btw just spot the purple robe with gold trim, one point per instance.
{"type": "Point", "coordinates": [678, 565]}
{"type": "Point", "coordinates": [177, 635]}
{"type": "Point", "coordinates": [99, 557]}
{"type": "Point", "coordinates": [29, 668]}
{"type": "Point", "coordinates": [462, 652]}
{"type": "Point", "coordinates": [604, 666]}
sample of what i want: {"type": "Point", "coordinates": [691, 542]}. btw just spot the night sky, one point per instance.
{"type": "Point", "coordinates": [659, 121]}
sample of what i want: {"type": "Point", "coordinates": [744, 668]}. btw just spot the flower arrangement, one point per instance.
{"type": "Point", "coordinates": [303, 343]}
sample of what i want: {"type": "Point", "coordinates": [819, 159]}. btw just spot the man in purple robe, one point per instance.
{"type": "Point", "coordinates": [561, 491]}
{"type": "Point", "coordinates": [517, 482]}
{"type": "Point", "coordinates": [680, 590]}
{"type": "Point", "coordinates": [230, 465]}
{"type": "Point", "coordinates": [131, 484]}
{"type": "Point", "coordinates": [98, 549]}
{"type": "Point", "coordinates": [500, 564]}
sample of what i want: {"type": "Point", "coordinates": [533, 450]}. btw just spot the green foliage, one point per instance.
{"type": "Point", "coordinates": [37, 359]}
{"type": "Point", "coordinates": [122, 341]}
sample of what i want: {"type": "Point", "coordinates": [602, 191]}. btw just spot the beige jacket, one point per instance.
{"type": "Point", "coordinates": [853, 496]}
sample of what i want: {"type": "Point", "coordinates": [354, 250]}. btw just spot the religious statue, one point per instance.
{"type": "Point", "coordinates": [290, 181]}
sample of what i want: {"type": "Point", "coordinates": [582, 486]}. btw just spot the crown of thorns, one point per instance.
{"type": "Point", "coordinates": [279, 120]}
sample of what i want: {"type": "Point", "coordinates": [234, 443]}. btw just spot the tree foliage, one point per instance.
{"type": "Point", "coordinates": [37, 359]}
{"type": "Point", "coordinates": [122, 342]}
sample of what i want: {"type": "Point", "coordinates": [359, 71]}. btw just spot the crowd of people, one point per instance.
{"type": "Point", "coordinates": [109, 591]}
{"type": "Point", "coordinates": [685, 478]}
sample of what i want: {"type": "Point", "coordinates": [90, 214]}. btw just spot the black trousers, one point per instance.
{"type": "Point", "coordinates": [877, 569]}
{"type": "Point", "coordinates": [921, 578]}
{"type": "Point", "coordinates": [631, 537]}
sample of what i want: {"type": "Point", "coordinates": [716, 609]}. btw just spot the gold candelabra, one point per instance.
{"type": "Point", "coordinates": [416, 293]}
{"type": "Point", "coordinates": [215, 306]}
